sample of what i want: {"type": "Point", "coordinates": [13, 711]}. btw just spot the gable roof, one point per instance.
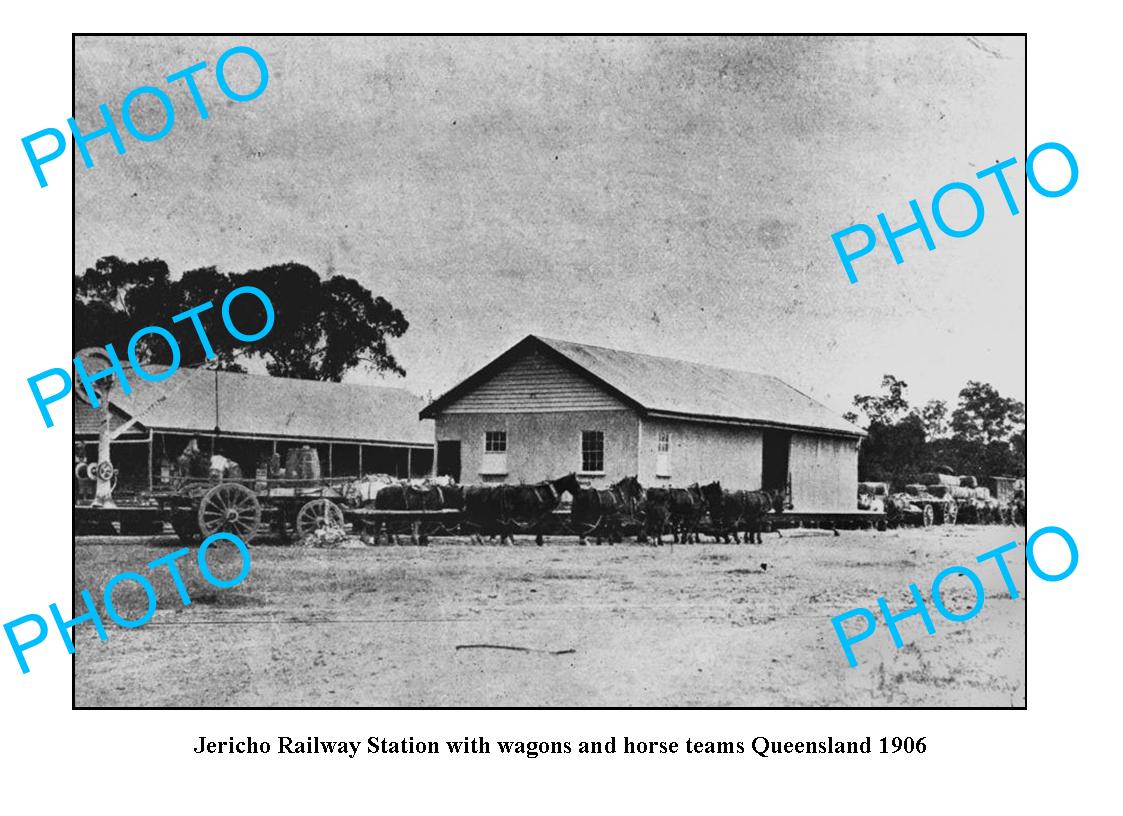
{"type": "Point", "coordinates": [662, 386]}
{"type": "Point", "coordinates": [258, 405]}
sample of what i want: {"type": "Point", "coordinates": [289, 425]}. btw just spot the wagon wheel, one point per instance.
{"type": "Point", "coordinates": [951, 513]}
{"type": "Point", "coordinates": [928, 516]}
{"type": "Point", "coordinates": [316, 515]}
{"type": "Point", "coordinates": [230, 508]}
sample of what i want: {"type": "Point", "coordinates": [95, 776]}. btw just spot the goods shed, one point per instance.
{"type": "Point", "coordinates": [357, 429]}
{"type": "Point", "coordinates": [548, 407]}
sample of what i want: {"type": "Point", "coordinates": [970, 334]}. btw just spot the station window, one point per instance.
{"type": "Point", "coordinates": [592, 451]}
{"type": "Point", "coordinates": [495, 442]}
{"type": "Point", "coordinates": [494, 462]}
{"type": "Point", "coordinates": [663, 455]}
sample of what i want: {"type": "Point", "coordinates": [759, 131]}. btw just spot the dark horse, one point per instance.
{"type": "Point", "coordinates": [735, 511]}
{"type": "Point", "coordinates": [677, 508]}
{"type": "Point", "coordinates": [604, 512]}
{"type": "Point", "coordinates": [503, 509]}
{"type": "Point", "coordinates": [403, 496]}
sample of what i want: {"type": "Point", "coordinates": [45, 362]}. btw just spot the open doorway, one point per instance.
{"type": "Point", "coordinates": [448, 458]}
{"type": "Point", "coordinates": [774, 464]}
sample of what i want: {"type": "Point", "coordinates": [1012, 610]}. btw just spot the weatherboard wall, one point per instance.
{"type": "Point", "coordinates": [824, 472]}
{"type": "Point", "coordinates": [701, 453]}
{"type": "Point", "coordinates": [535, 383]}
{"type": "Point", "coordinates": [542, 445]}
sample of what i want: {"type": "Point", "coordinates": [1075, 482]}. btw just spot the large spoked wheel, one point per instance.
{"type": "Point", "coordinates": [318, 514]}
{"type": "Point", "coordinates": [230, 508]}
{"type": "Point", "coordinates": [928, 516]}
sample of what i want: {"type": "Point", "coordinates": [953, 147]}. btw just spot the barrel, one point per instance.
{"type": "Point", "coordinates": [303, 463]}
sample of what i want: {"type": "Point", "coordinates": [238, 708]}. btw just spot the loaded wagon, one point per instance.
{"type": "Point", "coordinates": [293, 503]}
{"type": "Point", "coordinates": [930, 501]}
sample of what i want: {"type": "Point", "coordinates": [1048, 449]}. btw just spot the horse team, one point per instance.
{"type": "Point", "coordinates": [600, 513]}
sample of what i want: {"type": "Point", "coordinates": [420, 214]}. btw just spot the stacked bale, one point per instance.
{"type": "Point", "coordinates": [950, 491]}
{"type": "Point", "coordinates": [939, 479]}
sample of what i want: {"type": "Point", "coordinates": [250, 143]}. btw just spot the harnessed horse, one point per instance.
{"type": "Point", "coordinates": [604, 511]}
{"type": "Point", "coordinates": [504, 509]}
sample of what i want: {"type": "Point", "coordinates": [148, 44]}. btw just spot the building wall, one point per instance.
{"type": "Point", "coordinates": [702, 453]}
{"type": "Point", "coordinates": [824, 472]}
{"type": "Point", "coordinates": [535, 383]}
{"type": "Point", "coordinates": [542, 445]}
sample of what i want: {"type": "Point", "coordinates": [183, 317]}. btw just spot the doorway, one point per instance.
{"type": "Point", "coordinates": [774, 464]}
{"type": "Point", "coordinates": [448, 459]}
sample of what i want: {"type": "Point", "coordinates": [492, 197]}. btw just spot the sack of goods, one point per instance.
{"type": "Point", "coordinates": [982, 493]}
{"type": "Point", "coordinates": [939, 479]}
{"type": "Point", "coordinates": [968, 481]}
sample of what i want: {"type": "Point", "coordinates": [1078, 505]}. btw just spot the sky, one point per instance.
{"type": "Point", "coordinates": [674, 196]}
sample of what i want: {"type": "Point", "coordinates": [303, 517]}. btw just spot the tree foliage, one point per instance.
{"type": "Point", "coordinates": [323, 328]}
{"type": "Point", "coordinates": [985, 435]}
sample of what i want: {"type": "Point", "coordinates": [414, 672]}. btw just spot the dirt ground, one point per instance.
{"type": "Point", "coordinates": [626, 625]}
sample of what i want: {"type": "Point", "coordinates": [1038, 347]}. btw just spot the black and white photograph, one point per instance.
{"type": "Point", "coordinates": [550, 371]}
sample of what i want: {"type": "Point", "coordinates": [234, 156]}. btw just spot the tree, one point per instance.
{"type": "Point", "coordinates": [934, 415]}
{"type": "Point", "coordinates": [886, 408]}
{"type": "Point", "coordinates": [323, 328]}
{"type": "Point", "coordinates": [893, 452]}
{"type": "Point", "coordinates": [985, 437]}
{"type": "Point", "coordinates": [985, 416]}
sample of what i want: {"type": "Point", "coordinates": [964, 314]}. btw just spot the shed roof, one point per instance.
{"type": "Point", "coordinates": [663, 386]}
{"type": "Point", "coordinates": [258, 405]}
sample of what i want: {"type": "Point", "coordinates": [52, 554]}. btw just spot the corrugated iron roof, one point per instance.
{"type": "Point", "coordinates": [87, 421]}
{"type": "Point", "coordinates": [662, 385]}
{"type": "Point", "coordinates": [257, 405]}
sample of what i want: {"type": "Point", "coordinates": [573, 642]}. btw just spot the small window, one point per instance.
{"type": "Point", "coordinates": [663, 455]}
{"type": "Point", "coordinates": [495, 442]}
{"type": "Point", "coordinates": [494, 462]}
{"type": "Point", "coordinates": [592, 451]}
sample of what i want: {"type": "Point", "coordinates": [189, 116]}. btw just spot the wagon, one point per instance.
{"type": "Point", "coordinates": [919, 507]}
{"type": "Point", "coordinates": [291, 508]}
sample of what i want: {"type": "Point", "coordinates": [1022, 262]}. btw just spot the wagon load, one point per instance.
{"type": "Point", "coordinates": [939, 479]}
{"type": "Point", "coordinates": [872, 496]}
{"type": "Point", "coordinates": [950, 491]}
{"type": "Point", "coordinates": [968, 481]}
{"type": "Point", "coordinates": [916, 489]}
{"type": "Point", "coordinates": [303, 464]}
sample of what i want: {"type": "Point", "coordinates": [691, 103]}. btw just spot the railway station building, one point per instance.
{"type": "Point", "coordinates": [357, 429]}
{"type": "Point", "coordinates": [547, 407]}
